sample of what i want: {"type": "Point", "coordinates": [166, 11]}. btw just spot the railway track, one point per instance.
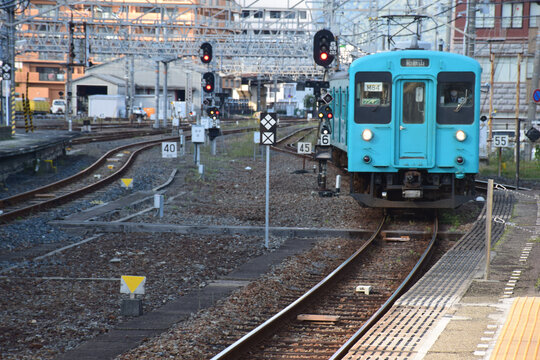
{"type": "Point", "coordinates": [327, 320]}
{"type": "Point", "coordinates": [75, 186]}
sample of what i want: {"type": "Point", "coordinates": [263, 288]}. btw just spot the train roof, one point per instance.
{"type": "Point", "coordinates": [438, 61]}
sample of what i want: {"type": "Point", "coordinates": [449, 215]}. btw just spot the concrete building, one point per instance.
{"type": "Point", "coordinates": [505, 34]}
{"type": "Point", "coordinates": [113, 78]}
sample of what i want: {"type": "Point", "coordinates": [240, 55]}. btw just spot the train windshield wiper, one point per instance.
{"type": "Point", "coordinates": [462, 101]}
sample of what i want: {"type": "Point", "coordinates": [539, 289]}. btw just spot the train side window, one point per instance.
{"type": "Point", "coordinates": [372, 97]}
{"type": "Point", "coordinates": [455, 92]}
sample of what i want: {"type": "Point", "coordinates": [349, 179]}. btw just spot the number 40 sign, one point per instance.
{"type": "Point", "coordinates": [169, 150]}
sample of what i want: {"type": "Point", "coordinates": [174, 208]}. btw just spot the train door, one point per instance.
{"type": "Point", "coordinates": [411, 119]}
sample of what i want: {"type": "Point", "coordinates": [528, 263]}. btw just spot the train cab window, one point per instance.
{"type": "Point", "coordinates": [455, 94]}
{"type": "Point", "coordinates": [372, 97]}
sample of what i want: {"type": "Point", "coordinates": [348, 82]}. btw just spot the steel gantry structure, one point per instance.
{"type": "Point", "coordinates": [247, 37]}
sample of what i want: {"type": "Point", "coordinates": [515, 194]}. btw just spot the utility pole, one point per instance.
{"type": "Point", "coordinates": [518, 85]}
{"type": "Point", "coordinates": [449, 12]}
{"type": "Point", "coordinates": [491, 91]}
{"type": "Point", "coordinates": [127, 94]}
{"type": "Point", "coordinates": [156, 97]}
{"type": "Point", "coordinates": [69, 66]}
{"type": "Point", "coordinates": [131, 83]}
{"type": "Point", "coordinates": [531, 111]}
{"type": "Point", "coordinates": [10, 84]}
{"type": "Point", "coordinates": [189, 94]}
{"type": "Point", "coordinates": [470, 31]}
{"type": "Point", "coordinates": [165, 91]}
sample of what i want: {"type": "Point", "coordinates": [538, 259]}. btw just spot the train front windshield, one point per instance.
{"type": "Point", "coordinates": [372, 97]}
{"type": "Point", "coordinates": [455, 92]}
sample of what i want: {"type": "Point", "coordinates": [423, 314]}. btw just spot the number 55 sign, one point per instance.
{"type": "Point", "coordinates": [169, 150]}
{"type": "Point", "coordinates": [500, 141]}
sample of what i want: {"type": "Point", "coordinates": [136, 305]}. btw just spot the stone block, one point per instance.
{"type": "Point", "coordinates": [132, 307]}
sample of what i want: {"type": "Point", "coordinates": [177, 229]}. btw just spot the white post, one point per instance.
{"type": "Point", "coordinates": [489, 211]}
{"type": "Point", "coordinates": [267, 208]}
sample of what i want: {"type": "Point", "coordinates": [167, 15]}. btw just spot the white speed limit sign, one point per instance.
{"type": "Point", "coordinates": [304, 148]}
{"type": "Point", "coordinates": [500, 141]}
{"type": "Point", "coordinates": [325, 139]}
{"type": "Point", "coordinates": [169, 150]}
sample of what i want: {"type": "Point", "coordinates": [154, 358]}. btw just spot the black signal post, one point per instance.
{"type": "Point", "coordinates": [206, 53]}
{"type": "Point", "coordinates": [324, 47]}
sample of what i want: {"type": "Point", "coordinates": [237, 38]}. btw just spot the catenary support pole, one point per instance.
{"type": "Point", "coordinates": [531, 111]}
{"type": "Point", "coordinates": [156, 98]}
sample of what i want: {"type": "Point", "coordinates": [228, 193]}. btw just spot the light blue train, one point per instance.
{"type": "Point", "coordinates": [406, 128]}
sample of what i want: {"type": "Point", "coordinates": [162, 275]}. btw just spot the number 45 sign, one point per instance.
{"type": "Point", "coordinates": [304, 148]}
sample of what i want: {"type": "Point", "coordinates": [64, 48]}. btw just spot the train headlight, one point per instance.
{"type": "Point", "coordinates": [460, 135]}
{"type": "Point", "coordinates": [367, 135]}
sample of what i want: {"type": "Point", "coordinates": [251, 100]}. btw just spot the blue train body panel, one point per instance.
{"type": "Point", "coordinates": [411, 112]}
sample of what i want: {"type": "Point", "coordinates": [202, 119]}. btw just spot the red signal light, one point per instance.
{"type": "Point", "coordinates": [206, 57]}
{"type": "Point", "coordinates": [217, 112]}
{"type": "Point", "coordinates": [324, 56]}
{"type": "Point", "coordinates": [330, 115]}
{"type": "Point", "coordinates": [208, 87]}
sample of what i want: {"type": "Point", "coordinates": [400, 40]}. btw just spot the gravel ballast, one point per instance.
{"type": "Point", "coordinates": [55, 304]}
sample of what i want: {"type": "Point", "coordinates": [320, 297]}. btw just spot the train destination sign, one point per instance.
{"type": "Point", "coordinates": [415, 62]}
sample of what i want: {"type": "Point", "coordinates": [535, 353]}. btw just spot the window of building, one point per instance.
{"type": "Point", "coordinates": [535, 15]}
{"type": "Point", "coordinates": [288, 15]}
{"type": "Point", "coordinates": [245, 13]}
{"type": "Point", "coordinates": [485, 16]}
{"type": "Point", "coordinates": [258, 14]}
{"type": "Point", "coordinates": [512, 15]}
{"type": "Point", "coordinates": [302, 14]}
{"type": "Point", "coordinates": [275, 14]}
{"type": "Point", "coordinates": [50, 74]}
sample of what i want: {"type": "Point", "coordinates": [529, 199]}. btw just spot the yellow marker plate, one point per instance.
{"type": "Point", "coordinates": [132, 284]}
{"type": "Point", "coordinates": [128, 182]}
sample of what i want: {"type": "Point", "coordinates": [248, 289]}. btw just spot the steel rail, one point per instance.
{"type": "Point", "coordinates": [11, 201]}
{"type": "Point", "coordinates": [342, 352]}
{"type": "Point", "coordinates": [29, 194]}
{"type": "Point", "coordinates": [240, 346]}
{"type": "Point", "coordinates": [76, 193]}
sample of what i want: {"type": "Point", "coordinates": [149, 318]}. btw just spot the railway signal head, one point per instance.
{"type": "Point", "coordinates": [206, 53]}
{"type": "Point", "coordinates": [213, 112]}
{"type": "Point", "coordinates": [208, 82]}
{"type": "Point", "coordinates": [325, 129]}
{"type": "Point", "coordinates": [325, 112]}
{"type": "Point", "coordinates": [324, 47]}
